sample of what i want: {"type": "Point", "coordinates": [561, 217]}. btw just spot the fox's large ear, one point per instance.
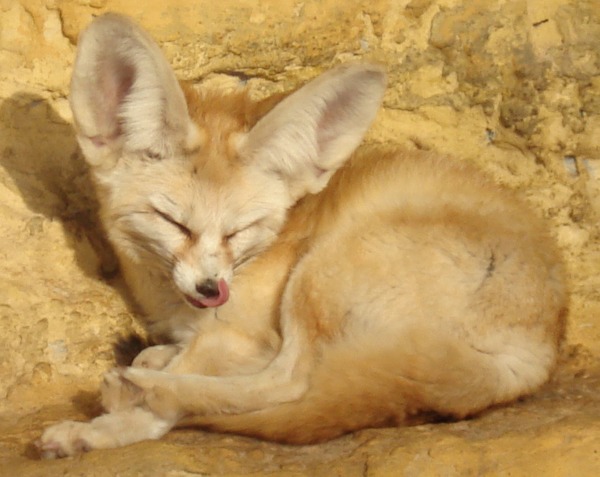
{"type": "Point", "coordinates": [312, 132]}
{"type": "Point", "coordinates": [124, 94]}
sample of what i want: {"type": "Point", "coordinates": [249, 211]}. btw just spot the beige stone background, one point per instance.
{"type": "Point", "coordinates": [513, 85]}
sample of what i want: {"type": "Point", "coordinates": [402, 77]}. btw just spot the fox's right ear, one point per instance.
{"type": "Point", "coordinates": [311, 133]}
{"type": "Point", "coordinates": [124, 94]}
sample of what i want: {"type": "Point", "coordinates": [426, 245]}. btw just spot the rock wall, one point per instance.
{"type": "Point", "coordinates": [513, 85]}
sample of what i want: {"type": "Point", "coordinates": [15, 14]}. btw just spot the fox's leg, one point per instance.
{"type": "Point", "coordinates": [118, 395]}
{"type": "Point", "coordinates": [173, 395]}
{"type": "Point", "coordinates": [104, 432]}
{"type": "Point", "coordinates": [125, 423]}
{"type": "Point", "coordinates": [146, 404]}
{"type": "Point", "coordinates": [219, 349]}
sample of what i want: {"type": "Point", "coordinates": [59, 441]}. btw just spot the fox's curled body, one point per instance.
{"type": "Point", "coordinates": [311, 288]}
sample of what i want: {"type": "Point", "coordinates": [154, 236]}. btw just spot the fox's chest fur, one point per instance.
{"type": "Point", "coordinates": [313, 287]}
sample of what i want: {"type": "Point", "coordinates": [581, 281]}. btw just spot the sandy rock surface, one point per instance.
{"type": "Point", "coordinates": [512, 85]}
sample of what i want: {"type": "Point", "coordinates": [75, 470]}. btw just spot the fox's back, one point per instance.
{"type": "Point", "coordinates": [431, 238]}
{"type": "Point", "coordinates": [420, 185]}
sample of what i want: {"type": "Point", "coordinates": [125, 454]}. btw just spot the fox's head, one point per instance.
{"type": "Point", "coordinates": [194, 185]}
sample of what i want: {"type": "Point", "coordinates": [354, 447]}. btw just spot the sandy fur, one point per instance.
{"type": "Point", "coordinates": [408, 318]}
{"type": "Point", "coordinates": [368, 288]}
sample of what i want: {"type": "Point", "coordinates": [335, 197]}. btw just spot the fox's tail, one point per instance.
{"type": "Point", "coordinates": [365, 385]}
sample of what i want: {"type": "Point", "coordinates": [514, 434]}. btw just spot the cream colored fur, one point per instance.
{"type": "Point", "coordinates": [309, 289]}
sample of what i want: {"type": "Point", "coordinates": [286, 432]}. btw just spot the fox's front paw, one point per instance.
{"type": "Point", "coordinates": [160, 391]}
{"type": "Point", "coordinates": [156, 357]}
{"type": "Point", "coordinates": [66, 439]}
{"type": "Point", "coordinates": [119, 394]}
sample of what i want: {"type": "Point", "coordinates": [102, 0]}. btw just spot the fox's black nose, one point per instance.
{"type": "Point", "coordinates": [209, 288]}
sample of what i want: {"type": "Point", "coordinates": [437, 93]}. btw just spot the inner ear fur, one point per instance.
{"type": "Point", "coordinates": [310, 133]}
{"type": "Point", "coordinates": [124, 95]}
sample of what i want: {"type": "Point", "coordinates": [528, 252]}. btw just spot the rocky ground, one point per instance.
{"type": "Point", "coordinates": [512, 85]}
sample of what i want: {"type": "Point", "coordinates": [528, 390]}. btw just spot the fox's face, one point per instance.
{"type": "Point", "coordinates": [194, 225]}
{"type": "Point", "coordinates": [195, 185]}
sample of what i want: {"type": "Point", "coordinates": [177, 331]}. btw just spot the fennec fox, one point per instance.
{"type": "Point", "coordinates": [311, 289]}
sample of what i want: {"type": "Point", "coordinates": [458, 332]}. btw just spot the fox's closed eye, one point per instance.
{"type": "Point", "coordinates": [232, 235]}
{"type": "Point", "coordinates": [235, 233]}
{"type": "Point", "coordinates": [167, 218]}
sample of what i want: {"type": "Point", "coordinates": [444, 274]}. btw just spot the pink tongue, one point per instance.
{"type": "Point", "coordinates": [218, 300]}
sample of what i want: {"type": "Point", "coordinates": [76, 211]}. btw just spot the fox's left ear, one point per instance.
{"type": "Point", "coordinates": [311, 133]}
{"type": "Point", "coordinates": [124, 95]}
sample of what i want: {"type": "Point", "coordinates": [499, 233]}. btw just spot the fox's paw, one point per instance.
{"type": "Point", "coordinates": [118, 393]}
{"type": "Point", "coordinates": [156, 357]}
{"type": "Point", "coordinates": [160, 392]}
{"type": "Point", "coordinates": [68, 438]}
{"type": "Point", "coordinates": [148, 379]}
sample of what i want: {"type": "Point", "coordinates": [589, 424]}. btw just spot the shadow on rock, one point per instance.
{"type": "Point", "coordinates": [41, 155]}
